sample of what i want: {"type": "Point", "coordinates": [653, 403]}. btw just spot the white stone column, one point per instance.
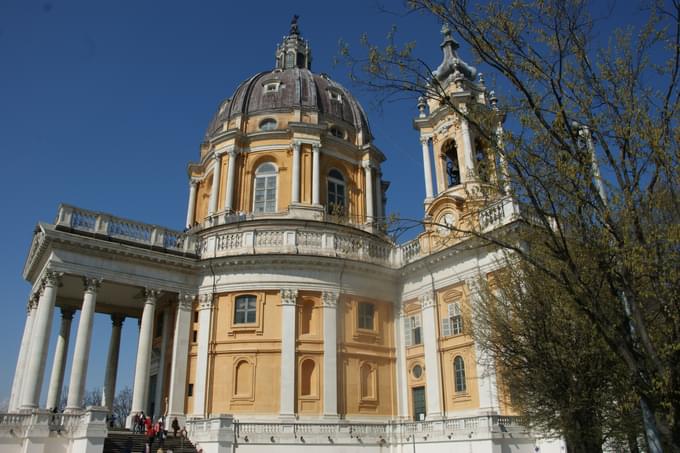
{"type": "Point", "coordinates": [288, 363]}
{"type": "Point", "coordinates": [468, 156]}
{"type": "Point", "coordinates": [379, 212]}
{"type": "Point", "coordinates": [432, 372]}
{"type": "Point", "coordinates": [81, 353]}
{"type": "Point", "coordinates": [109, 390]}
{"type": "Point", "coordinates": [295, 191]}
{"type": "Point", "coordinates": [205, 304]}
{"type": "Point", "coordinates": [141, 384]}
{"type": "Point", "coordinates": [231, 174]}
{"type": "Point", "coordinates": [160, 377]}
{"type": "Point", "coordinates": [191, 209]}
{"type": "Point", "coordinates": [402, 378]}
{"type": "Point", "coordinates": [24, 351]}
{"type": "Point", "coordinates": [215, 190]}
{"type": "Point", "coordinates": [316, 183]}
{"type": "Point", "coordinates": [59, 363]}
{"type": "Point", "coordinates": [33, 377]}
{"type": "Point", "coordinates": [427, 166]}
{"type": "Point", "coordinates": [369, 191]}
{"type": "Point", "coordinates": [180, 355]}
{"type": "Point", "coordinates": [330, 354]}
{"type": "Point", "coordinates": [503, 161]}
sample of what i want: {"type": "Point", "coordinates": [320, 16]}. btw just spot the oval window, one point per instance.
{"type": "Point", "coordinates": [268, 124]}
{"type": "Point", "coordinates": [417, 371]}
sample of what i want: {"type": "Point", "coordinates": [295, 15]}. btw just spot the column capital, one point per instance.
{"type": "Point", "coordinates": [232, 152]}
{"type": "Point", "coordinates": [217, 155]}
{"type": "Point", "coordinates": [329, 299]}
{"type": "Point", "coordinates": [194, 181]}
{"type": "Point", "coordinates": [289, 296]}
{"type": "Point", "coordinates": [67, 313]}
{"type": "Point", "coordinates": [33, 301]}
{"type": "Point", "coordinates": [52, 278]}
{"type": "Point", "coordinates": [151, 295]}
{"type": "Point", "coordinates": [316, 147]}
{"type": "Point", "coordinates": [296, 144]}
{"type": "Point", "coordinates": [367, 165]}
{"type": "Point", "coordinates": [91, 284]}
{"type": "Point", "coordinates": [117, 320]}
{"type": "Point", "coordinates": [185, 301]}
{"type": "Point", "coordinates": [205, 301]}
{"type": "Point", "coordinates": [427, 299]}
{"type": "Point", "coordinates": [424, 139]}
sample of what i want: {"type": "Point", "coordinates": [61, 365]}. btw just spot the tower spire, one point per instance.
{"type": "Point", "coordinates": [294, 51]}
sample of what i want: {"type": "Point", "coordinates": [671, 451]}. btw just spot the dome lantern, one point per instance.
{"type": "Point", "coordinates": [293, 52]}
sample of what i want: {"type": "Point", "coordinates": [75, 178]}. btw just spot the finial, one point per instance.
{"type": "Point", "coordinates": [493, 100]}
{"type": "Point", "coordinates": [446, 31]}
{"type": "Point", "coordinates": [481, 78]}
{"type": "Point", "coordinates": [294, 30]}
{"type": "Point", "coordinates": [421, 106]}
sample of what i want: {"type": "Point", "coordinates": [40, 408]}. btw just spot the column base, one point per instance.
{"type": "Point", "coordinates": [287, 417]}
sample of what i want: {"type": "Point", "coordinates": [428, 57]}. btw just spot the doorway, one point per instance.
{"type": "Point", "coordinates": [418, 398]}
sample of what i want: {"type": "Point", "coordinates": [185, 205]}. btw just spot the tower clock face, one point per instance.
{"type": "Point", "coordinates": [446, 223]}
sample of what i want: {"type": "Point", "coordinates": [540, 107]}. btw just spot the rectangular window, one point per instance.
{"type": "Point", "coordinates": [196, 316]}
{"type": "Point", "coordinates": [366, 314]}
{"type": "Point", "coordinates": [195, 336]}
{"type": "Point", "coordinates": [190, 390]}
{"type": "Point", "coordinates": [453, 323]}
{"type": "Point", "coordinates": [412, 330]}
{"type": "Point", "coordinates": [245, 310]}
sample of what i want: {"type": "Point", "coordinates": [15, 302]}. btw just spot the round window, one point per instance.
{"type": "Point", "coordinates": [268, 124]}
{"type": "Point", "coordinates": [417, 371]}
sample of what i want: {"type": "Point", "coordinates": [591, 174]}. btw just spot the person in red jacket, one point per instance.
{"type": "Point", "coordinates": [150, 434]}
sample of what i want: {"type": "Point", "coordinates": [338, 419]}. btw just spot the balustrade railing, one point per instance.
{"type": "Point", "coordinates": [344, 244]}
{"type": "Point", "coordinates": [124, 230]}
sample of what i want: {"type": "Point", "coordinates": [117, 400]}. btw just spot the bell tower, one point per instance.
{"type": "Point", "coordinates": [462, 170]}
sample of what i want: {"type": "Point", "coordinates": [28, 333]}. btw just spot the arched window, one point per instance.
{"type": "Point", "coordinates": [307, 378]}
{"type": "Point", "coordinates": [459, 374]}
{"type": "Point", "coordinates": [450, 152]}
{"type": "Point", "coordinates": [265, 188]}
{"type": "Point", "coordinates": [336, 193]}
{"type": "Point", "coordinates": [482, 161]}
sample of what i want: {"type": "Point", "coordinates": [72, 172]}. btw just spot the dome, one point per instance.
{"type": "Point", "coordinates": [293, 86]}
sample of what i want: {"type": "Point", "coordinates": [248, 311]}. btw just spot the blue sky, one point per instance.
{"type": "Point", "coordinates": [103, 104]}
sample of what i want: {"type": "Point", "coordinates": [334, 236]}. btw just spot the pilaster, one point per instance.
{"type": "Point", "coordinates": [432, 370]}
{"type": "Point", "coordinates": [205, 304]}
{"type": "Point", "coordinates": [329, 301]}
{"type": "Point", "coordinates": [287, 394]}
{"type": "Point", "coordinates": [180, 354]}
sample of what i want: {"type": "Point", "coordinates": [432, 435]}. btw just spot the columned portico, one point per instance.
{"type": "Point", "coordinates": [316, 174]}
{"type": "Point", "coordinates": [205, 304]}
{"type": "Point", "coordinates": [231, 174]}
{"type": "Point", "coordinates": [180, 351]}
{"type": "Point", "coordinates": [330, 354]}
{"type": "Point", "coordinates": [433, 378]}
{"type": "Point", "coordinates": [287, 394]}
{"type": "Point", "coordinates": [141, 383]}
{"type": "Point", "coordinates": [24, 351]}
{"type": "Point", "coordinates": [81, 354]}
{"type": "Point", "coordinates": [35, 371]}
{"type": "Point", "coordinates": [295, 192]}
{"type": "Point", "coordinates": [214, 191]}
{"type": "Point", "coordinates": [59, 363]}
{"type": "Point", "coordinates": [109, 390]}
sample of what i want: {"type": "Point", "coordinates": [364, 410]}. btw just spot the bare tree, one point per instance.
{"type": "Point", "coordinates": [592, 156]}
{"type": "Point", "coordinates": [122, 405]}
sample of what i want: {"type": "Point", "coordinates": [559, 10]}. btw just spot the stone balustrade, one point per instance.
{"type": "Point", "coordinates": [118, 229]}
{"type": "Point", "coordinates": [344, 433]}
{"type": "Point", "coordinates": [236, 236]}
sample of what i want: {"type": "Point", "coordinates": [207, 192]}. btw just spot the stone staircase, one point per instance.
{"type": "Point", "coordinates": [122, 441]}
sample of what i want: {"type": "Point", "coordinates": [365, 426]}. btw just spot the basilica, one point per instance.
{"type": "Point", "coordinates": [284, 318]}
